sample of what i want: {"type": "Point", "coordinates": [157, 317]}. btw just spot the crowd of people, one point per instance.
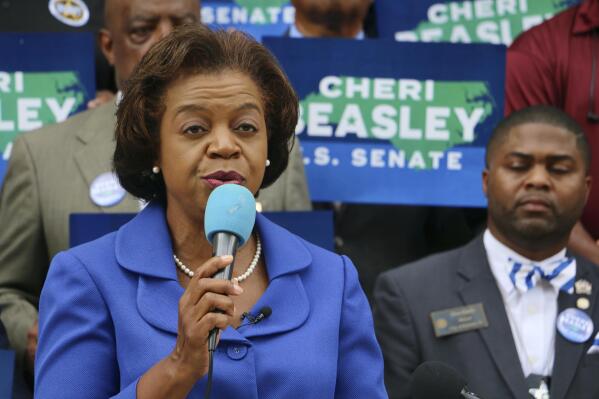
{"type": "Point", "coordinates": [505, 296]}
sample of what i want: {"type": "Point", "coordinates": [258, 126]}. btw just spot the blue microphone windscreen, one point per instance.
{"type": "Point", "coordinates": [231, 208]}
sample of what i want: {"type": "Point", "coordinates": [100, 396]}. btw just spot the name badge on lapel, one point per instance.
{"type": "Point", "coordinates": [458, 320]}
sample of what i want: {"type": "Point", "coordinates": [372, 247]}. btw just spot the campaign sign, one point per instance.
{"type": "Point", "coordinates": [313, 226]}
{"type": "Point", "coordinates": [257, 17]}
{"type": "Point", "coordinates": [477, 21]}
{"type": "Point", "coordinates": [7, 365]}
{"type": "Point", "coordinates": [396, 123]}
{"type": "Point", "coordinates": [44, 78]}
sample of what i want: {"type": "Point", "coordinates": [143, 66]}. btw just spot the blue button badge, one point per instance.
{"type": "Point", "coordinates": [106, 191]}
{"type": "Point", "coordinates": [575, 325]}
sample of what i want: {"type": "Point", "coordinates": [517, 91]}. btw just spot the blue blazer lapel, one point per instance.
{"type": "Point", "coordinates": [158, 302]}
{"type": "Point", "coordinates": [143, 246]}
{"type": "Point", "coordinates": [568, 354]}
{"type": "Point", "coordinates": [286, 256]}
{"type": "Point", "coordinates": [478, 285]}
{"type": "Point", "coordinates": [289, 303]}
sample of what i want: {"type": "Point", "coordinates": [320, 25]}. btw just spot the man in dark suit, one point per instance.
{"type": "Point", "coordinates": [512, 311]}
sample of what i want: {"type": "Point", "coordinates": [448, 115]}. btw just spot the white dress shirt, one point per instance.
{"type": "Point", "coordinates": [532, 314]}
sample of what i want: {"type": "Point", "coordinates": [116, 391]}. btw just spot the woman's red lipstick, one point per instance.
{"type": "Point", "coordinates": [221, 177]}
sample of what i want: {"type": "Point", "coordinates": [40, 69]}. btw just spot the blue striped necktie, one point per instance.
{"type": "Point", "coordinates": [561, 274]}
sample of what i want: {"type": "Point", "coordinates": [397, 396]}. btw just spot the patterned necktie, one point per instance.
{"type": "Point", "coordinates": [561, 274]}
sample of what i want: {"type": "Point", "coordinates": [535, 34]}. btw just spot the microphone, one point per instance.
{"type": "Point", "coordinates": [433, 380]}
{"type": "Point", "coordinates": [264, 312]}
{"type": "Point", "coordinates": [228, 223]}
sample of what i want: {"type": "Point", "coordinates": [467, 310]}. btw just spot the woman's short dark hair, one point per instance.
{"type": "Point", "coordinates": [191, 50]}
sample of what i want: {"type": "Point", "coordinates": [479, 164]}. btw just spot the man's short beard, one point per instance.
{"type": "Point", "coordinates": [533, 234]}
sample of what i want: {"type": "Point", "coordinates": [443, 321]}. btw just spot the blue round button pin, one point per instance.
{"type": "Point", "coordinates": [106, 190]}
{"type": "Point", "coordinates": [575, 325]}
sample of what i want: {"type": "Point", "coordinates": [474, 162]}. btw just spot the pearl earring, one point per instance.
{"type": "Point", "coordinates": [267, 163]}
{"type": "Point", "coordinates": [156, 170]}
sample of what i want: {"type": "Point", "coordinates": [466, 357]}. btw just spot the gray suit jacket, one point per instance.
{"type": "Point", "coordinates": [48, 178]}
{"type": "Point", "coordinates": [487, 357]}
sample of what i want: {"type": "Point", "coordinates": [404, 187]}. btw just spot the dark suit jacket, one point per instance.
{"type": "Point", "coordinates": [487, 358]}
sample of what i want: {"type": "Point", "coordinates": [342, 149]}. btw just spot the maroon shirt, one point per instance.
{"type": "Point", "coordinates": [552, 64]}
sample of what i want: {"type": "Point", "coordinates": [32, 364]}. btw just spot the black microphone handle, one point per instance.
{"type": "Point", "coordinates": [222, 244]}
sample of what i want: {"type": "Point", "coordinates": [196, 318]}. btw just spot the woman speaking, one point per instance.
{"type": "Point", "coordinates": [129, 315]}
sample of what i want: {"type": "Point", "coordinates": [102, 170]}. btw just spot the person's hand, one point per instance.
{"type": "Point", "coordinates": [32, 334]}
{"type": "Point", "coordinates": [102, 97]}
{"type": "Point", "coordinates": [197, 316]}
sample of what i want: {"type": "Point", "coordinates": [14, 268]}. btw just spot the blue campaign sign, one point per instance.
{"type": "Point", "coordinates": [257, 17]}
{"type": "Point", "coordinates": [314, 226]}
{"type": "Point", "coordinates": [7, 364]}
{"type": "Point", "coordinates": [459, 21]}
{"type": "Point", "coordinates": [44, 78]}
{"type": "Point", "coordinates": [395, 123]}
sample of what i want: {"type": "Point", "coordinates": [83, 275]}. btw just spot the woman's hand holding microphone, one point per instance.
{"type": "Point", "coordinates": [175, 375]}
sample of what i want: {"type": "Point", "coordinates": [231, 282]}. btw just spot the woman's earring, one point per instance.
{"type": "Point", "coordinates": [267, 163]}
{"type": "Point", "coordinates": [156, 170]}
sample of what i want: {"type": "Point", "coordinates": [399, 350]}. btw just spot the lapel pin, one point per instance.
{"type": "Point", "coordinates": [583, 287]}
{"type": "Point", "coordinates": [583, 303]}
{"type": "Point", "coordinates": [106, 191]}
{"type": "Point", "coordinates": [575, 325]}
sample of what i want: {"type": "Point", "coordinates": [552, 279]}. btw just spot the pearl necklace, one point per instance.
{"type": "Point", "coordinates": [189, 273]}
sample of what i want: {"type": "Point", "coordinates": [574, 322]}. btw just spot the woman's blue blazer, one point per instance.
{"type": "Point", "coordinates": [108, 313]}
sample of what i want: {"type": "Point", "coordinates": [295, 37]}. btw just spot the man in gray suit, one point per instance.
{"type": "Point", "coordinates": [512, 311]}
{"type": "Point", "coordinates": [66, 168]}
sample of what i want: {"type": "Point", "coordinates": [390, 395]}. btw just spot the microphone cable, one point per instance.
{"type": "Point", "coordinates": [208, 389]}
